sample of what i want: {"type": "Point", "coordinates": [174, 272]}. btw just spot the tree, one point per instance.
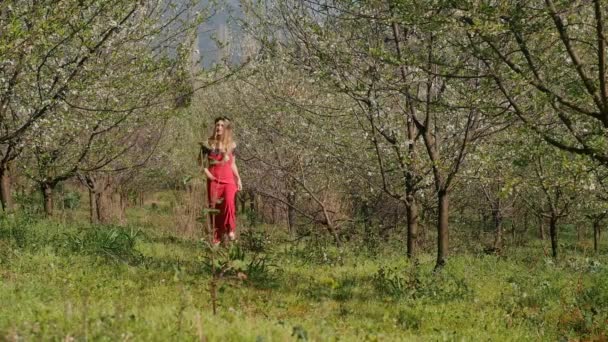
{"type": "Point", "coordinates": [286, 143]}
{"type": "Point", "coordinates": [344, 51]}
{"type": "Point", "coordinates": [550, 179]}
{"type": "Point", "coordinates": [595, 208]}
{"type": "Point", "coordinates": [409, 84]}
{"type": "Point", "coordinates": [80, 56]}
{"type": "Point", "coordinates": [491, 172]}
{"type": "Point", "coordinates": [548, 59]}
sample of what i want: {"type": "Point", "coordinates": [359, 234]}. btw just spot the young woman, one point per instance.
{"type": "Point", "coordinates": [223, 180]}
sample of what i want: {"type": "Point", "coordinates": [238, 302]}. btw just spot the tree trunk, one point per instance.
{"type": "Point", "coordinates": [334, 234]}
{"type": "Point", "coordinates": [485, 218]}
{"type": "Point", "coordinates": [106, 207]}
{"type": "Point", "coordinates": [47, 195]}
{"type": "Point", "coordinates": [541, 228]}
{"type": "Point", "coordinates": [553, 233]}
{"type": "Point", "coordinates": [596, 236]}
{"type": "Point", "coordinates": [99, 207]}
{"type": "Point", "coordinates": [513, 232]}
{"type": "Point", "coordinates": [422, 217]}
{"type": "Point", "coordinates": [96, 185]}
{"type": "Point", "coordinates": [412, 226]}
{"type": "Point", "coordinates": [330, 226]}
{"type": "Point", "coordinates": [497, 216]}
{"type": "Point", "coordinates": [291, 212]}
{"type": "Point", "coordinates": [242, 201]}
{"type": "Point", "coordinates": [93, 207]}
{"type": "Point", "coordinates": [261, 205]}
{"type": "Point", "coordinates": [103, 207]}
{"type": "Point", "coordinates": [123, 199]}
{"type": "Point", "coordinates": [412, 205]}
{"type": "Point", "coordinates": [442, 228]}
{"type": "Point", "coordinates": [252, 203]}
{"type": "Point", "coordinates": [480, 228]}
{"type": "Point", "coordinates": [5, 187]}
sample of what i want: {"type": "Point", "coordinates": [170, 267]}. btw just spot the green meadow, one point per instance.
{"type": "Point", "coordinates": [75, 281]}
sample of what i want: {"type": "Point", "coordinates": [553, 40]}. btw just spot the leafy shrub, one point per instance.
{"type": "Point", "coordinates": [529, 298]}
{"type": "Point", "coordinates": [412, 284]}
{"type": "Point", "coordinates": [16, 229]}
{"type": "Point", "coordinates": [589, 315]}
{"type": "Point", "coordinates": [258, 267]}
{"type": "Point", "coordinates": [299, 333]}
{"type": "Point", "coordinates": [29, 204]}
{"type": "Point", "coordinates": [340, 288]}
{"type": "Point", "coordinates": [343, 290]}
{"type": "Point", "coordinates": [71, 200]}
{"type": "Point", "coordinates": [392, 283]}
{"type": "Point", "coordinates": [111, 242]}
{"type": "Point", "coordinates": [254, 241]}
{"type": "Point", "coordinates": [159, 208]}
{"type": "Point", "coordinates": [252, 217]}
{"type": "Point", "coordinates": [233, 262]}
{"type": "Point", "coordinates": [16, 235]}
{"type": "Point", "coordinates": [407, 319]}
{"type": "Point", "coordinates": [317, 250]}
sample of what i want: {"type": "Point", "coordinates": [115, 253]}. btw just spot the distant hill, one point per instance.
{"type": "Point", "coordinates": [223, 28]}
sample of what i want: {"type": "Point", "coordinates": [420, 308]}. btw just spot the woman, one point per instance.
{"type": "Point", "coordinates": [223, 180]}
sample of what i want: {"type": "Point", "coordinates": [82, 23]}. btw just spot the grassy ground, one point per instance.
{"type": "Point", "coordinates": [74, 281]}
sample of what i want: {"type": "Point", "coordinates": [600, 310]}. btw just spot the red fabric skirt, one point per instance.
{"type": "Point", "coordinates": [222, 196]}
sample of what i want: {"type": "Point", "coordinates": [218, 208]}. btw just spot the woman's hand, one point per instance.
{"type": "Point", "coordinates": [235, 171]}
{"type": "Point", "coordinates": [209, 175]}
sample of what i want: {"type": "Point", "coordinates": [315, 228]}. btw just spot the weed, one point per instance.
{"type": "Point", "coordinates": [254, 240]}
{"type": "Point", "coordinates": [390, 282]}
{"type": "Point", "coordinates": [71, 200]}
{"type": "Point", "coordinates": [414, 285]}
{"type": "Point", "coordinates": [299, 333]}
{"type": "Point", "coordinates": [308, 290]}
{"type": "Point", "coordinates": [233, 262]}
{"type": "Point", "coordinates": [14, 229]}
{"type": "Point", "coordinates": [111, 242]}
{"type": "Point", "coordinates": [407, 319]}
{"type": "Point", "coordinates": [30, 203]}
{"type": "Point", "coordinates": [317, 251]}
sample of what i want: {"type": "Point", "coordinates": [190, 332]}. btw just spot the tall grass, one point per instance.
{"type": "Point", "coordinates": [149, 281]}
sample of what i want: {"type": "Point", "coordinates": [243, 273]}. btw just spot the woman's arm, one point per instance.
{"type": "Point", "coordinates": [235, 171]}
{"type": "Point", "coordinates": [208, 174]}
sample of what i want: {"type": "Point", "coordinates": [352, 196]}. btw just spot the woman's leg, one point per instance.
{"type": "Point", "coordinates": [230, 209]}
{"type": "Point", "coordinates": [214, 195]}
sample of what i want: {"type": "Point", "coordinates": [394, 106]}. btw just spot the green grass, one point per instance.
{"type": "Point", "coordinates": [61, 281]}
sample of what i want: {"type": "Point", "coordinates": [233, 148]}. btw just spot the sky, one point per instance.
{"type": "Point", "coordinates": [221, 25]}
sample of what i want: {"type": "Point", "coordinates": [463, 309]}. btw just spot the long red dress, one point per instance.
{"type": "Point", "coordinates": [221, 192]}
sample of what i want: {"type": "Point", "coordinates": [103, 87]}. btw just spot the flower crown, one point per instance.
{"type": "Point", "coordinates": [222, 118]}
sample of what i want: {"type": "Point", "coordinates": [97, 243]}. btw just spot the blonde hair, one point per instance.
{"type": "Point", "coordinates": [226, 143]}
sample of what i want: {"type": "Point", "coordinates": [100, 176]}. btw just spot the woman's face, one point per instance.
{"type": "Point", "coordinates": [219, 128]}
